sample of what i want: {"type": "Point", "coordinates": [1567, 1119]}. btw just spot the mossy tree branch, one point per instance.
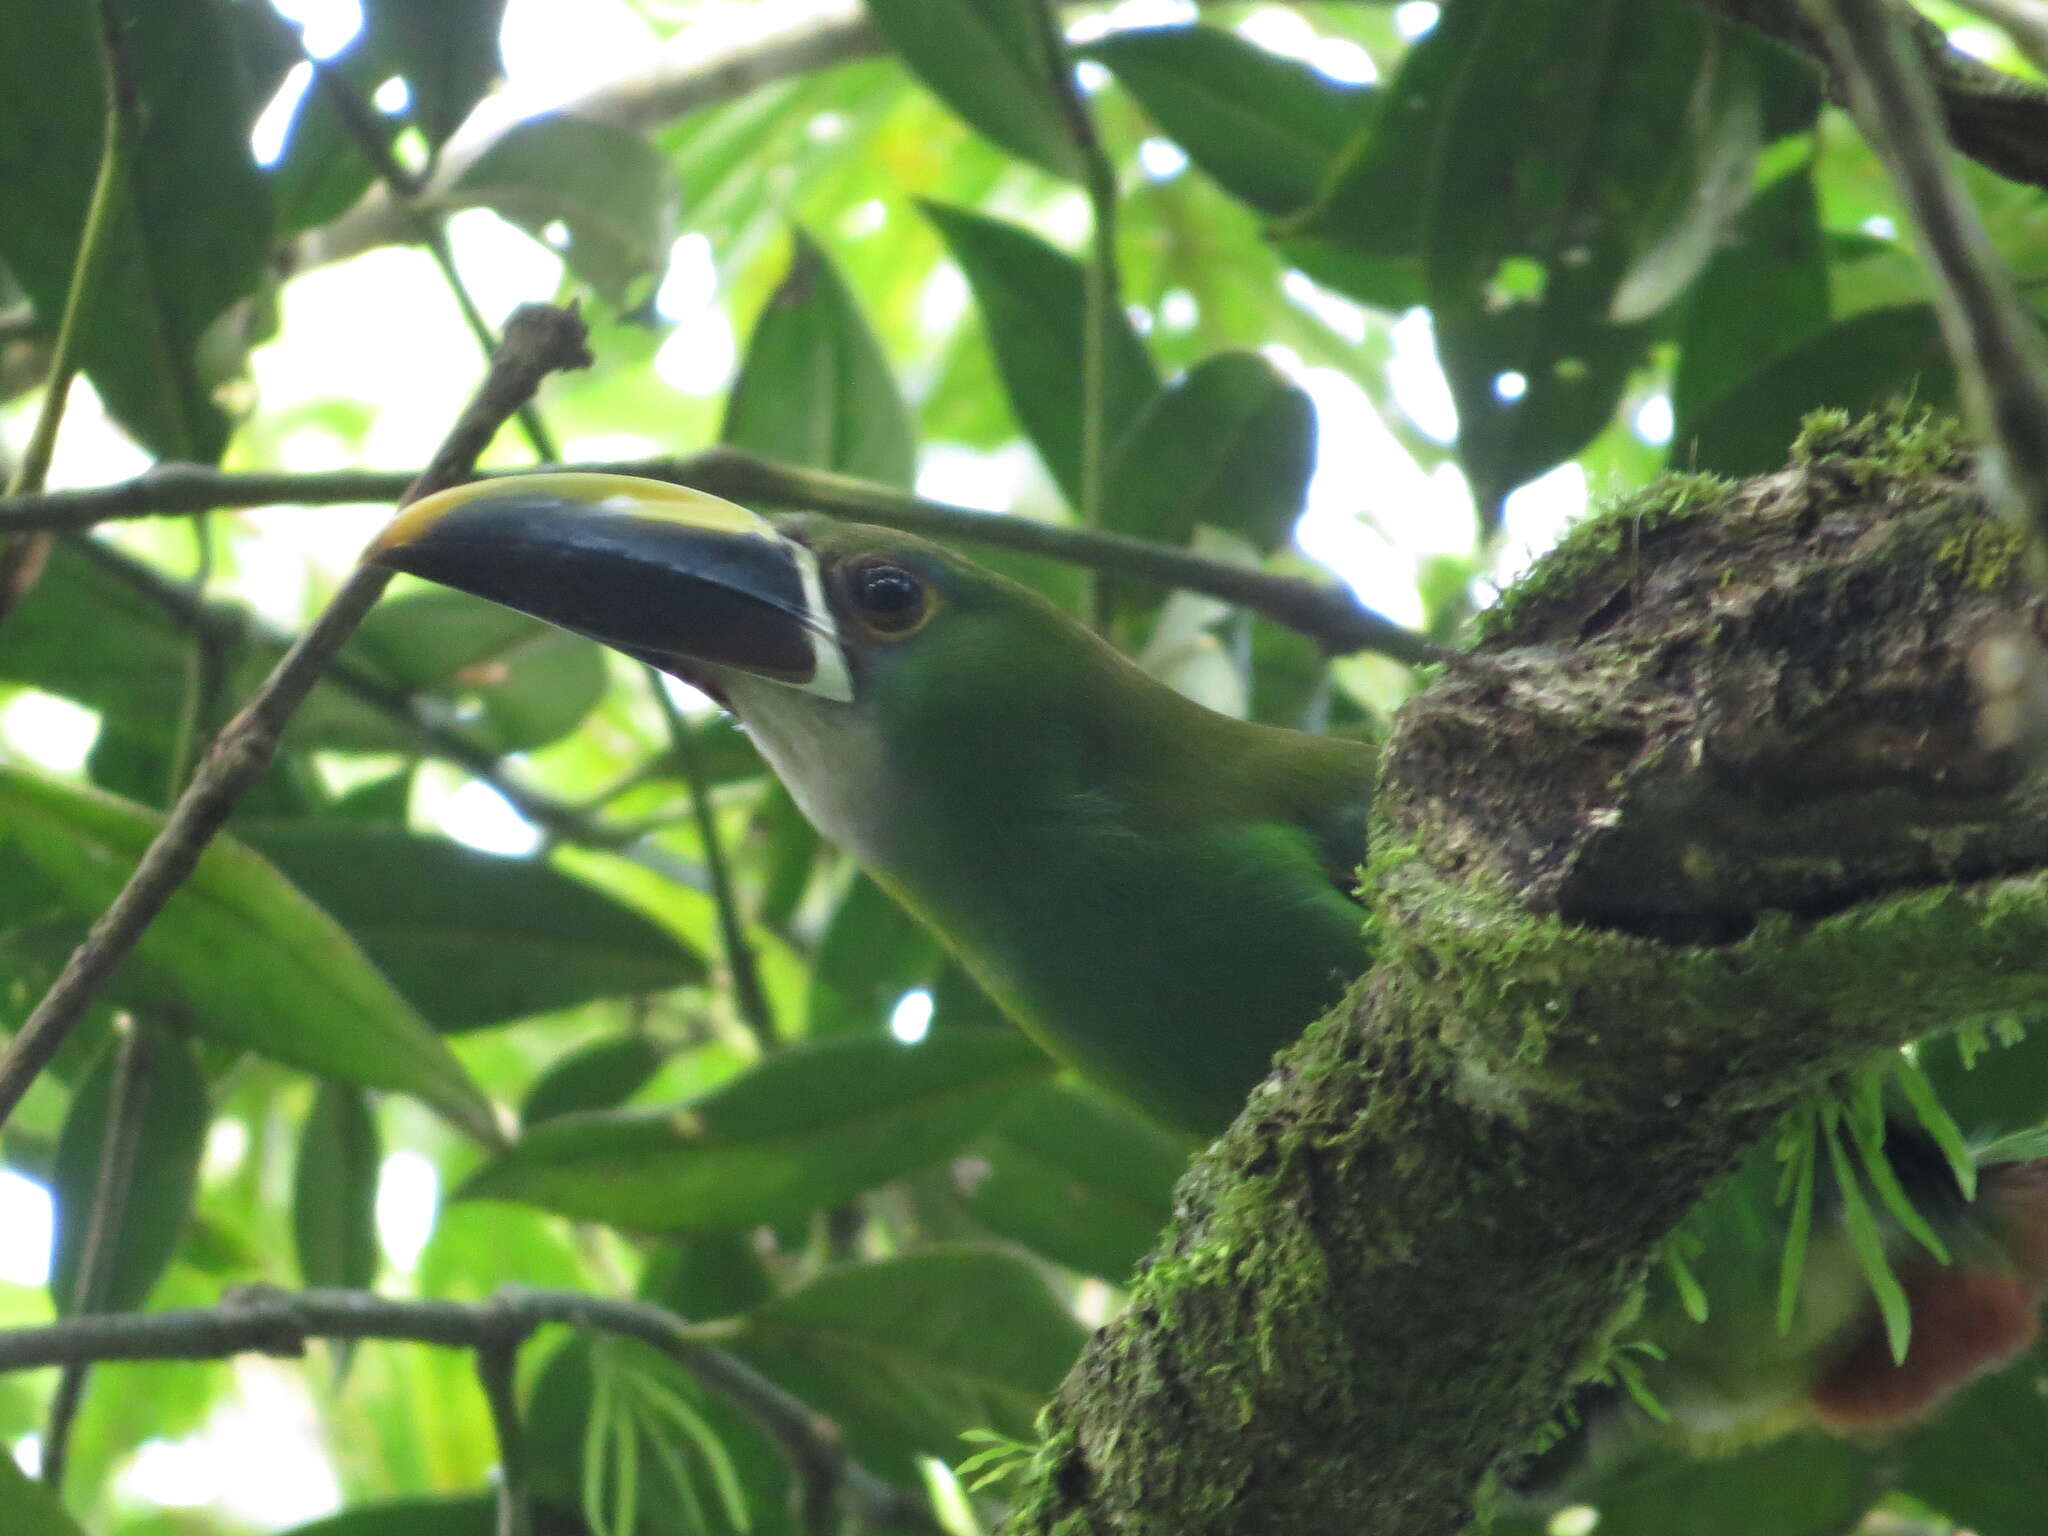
{"type": "Point", "coordinates": [1706, 820]}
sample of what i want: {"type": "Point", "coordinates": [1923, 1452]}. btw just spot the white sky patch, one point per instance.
{"type": "Point", "coordinates": [328, 26]}
{"type": "Point", "coordinates": [50, 732]}
{"type": "Point", "coordinates": [479, 816]}
{"type": "Point", "coordinates": [1140, 318]}
{"type": "Point", "coordinates": [28, 1455]}
{"type": "Point", "coordinates": [1881, 226]}
{"type": "Point", "coordinates": [1342, 316]}
{"type": "Point", "coordinates": [91, 450]}
{"type": "Point", "coordinates": [1147, 13]}
{"type": "Point", "coordinates": [987, 482]}
{"type": "Point", "coordinates": [911, 1019]}
{"type": "Point", "coordinates": [699, 355]}
{"type": "Point", "coordinates": [28, 1227]}
{"type": "Point", "coordinates": [501, 264]}
{"type": "Point", "coordinates": [691, 701]}
{"type": "Point", "coordinates": [273, 125]}
{"type": "Point", "coordinates": [1161, 159]}
{"type": "Point", "coordinates": [942, 302]}
{"type": "Point", "coordinates": [554, 52]}
{"type": "Point", "coordinates": [1067, 218]}
{"type": "Point", "coordinates": [1977, 42]}
{"type": "Point", "coordinates": [1417, 379]}
{"type": "Point", "coordinates": [408, 1198]}
{"type": "Point", "coordinates": [269, 1425]}
{"type": "Point", "coordinates": [1179, 311]}
{"type": "Point", "coordinates": [1535, 515]}
{"type": "Point", "coordinates": [227, 1143]}
{"type": "Point", "coordinates": [1510, 386]}
{"type": "Point", "coordinates": [1090, 76]}
{"type": "Point", "coordinates": [824, 127]}
{"type": "Point", "coordinates": [1415, 18]}
{"type": "Point", "coordinates": [864, 219]}
{"type": "Point", "coordinates": [1654, 422]}
{"type": "Point", "coordinates": [689, 284]}
{"type": "Point", "coordinates": [1292, 35]}
{"type": "Point", "coordinates": [392, 97]}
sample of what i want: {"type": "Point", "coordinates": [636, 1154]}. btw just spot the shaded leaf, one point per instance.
{"type": "Point", "coordinates": [238, 951]}
{"type": "Point", "coordinates": [168, 1115]}
{"type": "Point", "coordinates": [986, 59]}
{"type": "Point", "coordinates": [1032, 298]}
{"type": "Point", "coordinates": [600, 1076]}
{"type": "Point", "coordinates": [334, 1190]}
{"type": "Point", "coordinates": [814, 388]}
{"type": "Point", "coordinates": [1983, 1461]}
{"type": "Point", "coordinates": [807, 1128]}
{"type": "Point", "coordinates": [707, 1274]}
{"type": "Point", "coordinates": [1074, 1175]}
{"type": "Point", "coordinates": [1268, 129]}
{"type": "Point", "coordinates": [907, 1354]}
{"type": "Point", "coordinates": [1855, 364]}
{"type": "Point", "coordinates": [611, 190]}
{"type": "Point", "coordinates": [472, 1515]}
{"type": "Point", "coordinates": [447, 54]}
{"type": "Point", "coordinates": [1765, 290]}
{"type": "Point", "coordinates": [473, 938]}
{"type": "Point", "coordinates": [1231, 444]}
{"type": "Point", "coordinates": [872, 953]}
{"type": "Point", "coordinates": [190, 228]}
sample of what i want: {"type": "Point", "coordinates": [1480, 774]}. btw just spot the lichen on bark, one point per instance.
{"type": "Point", "coordinates": [1709, 816]}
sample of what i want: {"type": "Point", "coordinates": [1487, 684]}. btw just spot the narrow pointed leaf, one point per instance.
{"type": "Point", "coordinates": [814, 388]}
{"type": "Point", "coordinates": [600, 1076]}
{"type": "Point", "coordinates": [986, 59]}
{"type": "Point", "coordinates": [168, 1116]}
{"type": "Point", "coordinates": [808, 1128]}
{"type": "Point", "coordinates": [1032, 299]}
{"type": "Point", "coordinates": [334, 1190]}
{"type": "Point", "coordinates": [473, 938]}
{"type": "Point", "coordinates": [239, 951]}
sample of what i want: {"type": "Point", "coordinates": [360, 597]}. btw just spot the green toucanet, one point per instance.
{"type": "Point", "coordinates": [1158, 894]}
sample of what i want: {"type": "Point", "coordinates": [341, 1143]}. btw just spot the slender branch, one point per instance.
{"type": "Point", "coordinates": [266, 1320]}
{"type": "Point", "coordinates": [497, 1364]}
{"type": "Point", "coordinates": [22, 559]}
{"type": "Point", "coordinates": [748, 995]}
{"type": "Point", "coordinates": [538, 341]}
{"type": "Point", "coordinates": [1995, 342]}
{"type": "Point", "coordinates": [120, 1140]}
{"type": "Point", "coordinates": [1324, 611]}
{"type": "Point", "coordinates": [1994, 118]}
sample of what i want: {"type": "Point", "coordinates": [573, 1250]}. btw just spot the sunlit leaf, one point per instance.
{"type": "Point", "coordinates": [238, 951]}
{"type": "Point", "coordinates": [806, 1128]}
{"type": "Point", "coordinates": [473, 938]}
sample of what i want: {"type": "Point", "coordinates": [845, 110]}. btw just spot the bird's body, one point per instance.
{"type": "Point", "coordinates": [1159, 894]}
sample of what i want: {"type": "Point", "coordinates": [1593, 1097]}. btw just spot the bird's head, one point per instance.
{"type": "Point", "coordinates": [856, 656]}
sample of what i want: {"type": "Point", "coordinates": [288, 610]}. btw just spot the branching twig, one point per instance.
{"type": "Point", "coordinates": [1996, 344]}
{"type": "Point", "coordinates": [264, 1320]}
{"type": "Point", "coordinates": [1323, 611]}
{"type": "Point", "coordinates": [538, 341]}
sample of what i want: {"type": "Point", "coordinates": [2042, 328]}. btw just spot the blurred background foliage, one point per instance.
{"type": "Point", "coordinates": [1398, 287]}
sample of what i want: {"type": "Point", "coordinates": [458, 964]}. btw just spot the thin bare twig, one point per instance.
{"type": "Point", "coordinates": [266, 1320]}
{"type": "Point", "coordinates": [497, 1364]}
{"type": "Point", "coordinates": [1995, 342]}
{"type": "Point", "coordinates": [1321, 610]}
{"type": "Point", "coordinates": [538, 340]}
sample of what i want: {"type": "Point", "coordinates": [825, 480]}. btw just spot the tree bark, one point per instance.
{"type": "Point", "coordinates": [1737, 791]}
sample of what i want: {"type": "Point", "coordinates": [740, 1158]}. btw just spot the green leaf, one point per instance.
{"type": "Point", "coordinates": [610, 189]}
{"type": "Point", "coordinates": [1231, 444]}
{"type": "Point", "coordinates": [810, 1127]}
{"type": "Point", "coordinates": [1983, 1461]}
{"type": "Point", "coordinates": [1550, 166]}
{"type": "Point", "coordinates": [190, 232]}
{"type": "Point", "coordinates": [334, 1190]}
{"type": "Point", "coordinates": [239, 951]}
{"type": "Point", "coordinates": [446, 52]}
{"type": "Point", "coordinates": [1032, 298]}
{"type": "Point", "coordinates": [600, 1076]}
{"type": "Point", "coordinates": [986, 59]}
{"type": "Point", "coordinates": [1078, 1177]}
{"type": "Point", "coordinates": [468, 1515]}
{"type": "Point", "coordinates": [814, 388]}
{"type": "Point", "coordinates": [1766, 289]}
{"type": "Point", "coordinates": [872, 953]}
{"type": "Point", "coordinates": [907, 1354]}
{"type": "Point", "coordinates": [32, 1510]}
{"type": "Point", "coordinates": [168, 1117]}
{"type": "Point", "coordinates": [473, 938]}
{"type": "Point", "coordinates": [707, 1274]}
{"type": "Point", "coordinates": [1868, 1241]}
{"type": "Point", "coordinates": [1268, 129]}
{"type": "Point", "coordinates": [516, 683]}
{"type": "Point", "coordinates": [1855, 364]}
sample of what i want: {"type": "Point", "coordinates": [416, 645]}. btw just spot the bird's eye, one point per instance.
{"type": "Point", "coordinates": [888, 598]}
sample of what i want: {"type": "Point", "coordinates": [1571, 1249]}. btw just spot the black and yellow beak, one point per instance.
{"type": "Point", "coordinates": [677, 578]}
